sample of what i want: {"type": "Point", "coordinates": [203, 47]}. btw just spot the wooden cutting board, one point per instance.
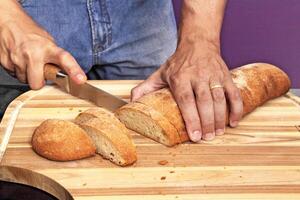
{"type": "Point", "coordinates": [259, 159]}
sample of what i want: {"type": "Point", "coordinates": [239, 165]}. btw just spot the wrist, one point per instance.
{"type": "Point", "coordinates": [199, 40]}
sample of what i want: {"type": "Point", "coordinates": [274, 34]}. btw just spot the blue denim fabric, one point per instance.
{"type": "Point", "coordinates": [122, 39]}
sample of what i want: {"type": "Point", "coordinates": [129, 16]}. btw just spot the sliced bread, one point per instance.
{"type": "Point", "coordinates": [147, 121]}
{"type": "Point", "coordinates": [62, 140]}
{"type": "Point", "coordinates": [111, 141]}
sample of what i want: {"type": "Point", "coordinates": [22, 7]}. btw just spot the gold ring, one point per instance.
{"type": "Point", "coordinates": [216, 86]}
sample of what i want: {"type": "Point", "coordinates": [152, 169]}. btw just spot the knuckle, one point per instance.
{"type": "Point", "coordinates": [218, 95]}
{"type": "Point", "coordinates": [208, 126]}
{"type": "Point", "coordinates": [203, 95]}
{"type": "Point", "coordinates": [135, 91]}
{"type": "Point", "coordinates": [63, 55]}
{"type": "Point", "coordinates": [220, 121]}
{"type": "Point", "coordinates": [174, 80]}
{"type": "Point", "coordinates": [191, 119]}
{"type": "Point", "coordinates": [185, 97]}
{"type": "Point", "coordinates": [27, 54]}
{"type": "Point", "coordinates": [235, 94]}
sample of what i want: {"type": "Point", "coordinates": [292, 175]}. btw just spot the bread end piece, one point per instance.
{"type": "Point", "coordinates": [258, 83]}
{"type": "Point", "coordinates": [62, 140]}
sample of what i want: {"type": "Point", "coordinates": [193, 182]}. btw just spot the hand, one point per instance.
{"type": "Point", "coordinates": [25, 48]}
{"type": "Point", "coordinates": [190, 73]}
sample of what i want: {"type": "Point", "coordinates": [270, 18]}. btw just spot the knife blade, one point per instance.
{"type": "Point", "coordinates": [83, 91]}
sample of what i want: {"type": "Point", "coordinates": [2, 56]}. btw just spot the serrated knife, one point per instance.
{"type": "Point", "coordinates": [83, 91]}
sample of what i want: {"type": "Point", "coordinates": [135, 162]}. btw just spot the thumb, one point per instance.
{"type": "Point", "coordinates": [151, 84]}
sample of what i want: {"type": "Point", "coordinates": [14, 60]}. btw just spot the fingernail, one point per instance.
{"type": "Point", "coordinates": [209, 136]}
{"type": "Point", "coordinates": [196, 136]}
{"type": "Point", "coordinates": [80, 77]}
{"type": "Point", "coordinates": [234, 123]}
{"type": "Point", "coordinates": [220, 131]}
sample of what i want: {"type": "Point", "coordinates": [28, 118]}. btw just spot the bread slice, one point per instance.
{"type": "Point", "coordinates": [163, 102]}
{"type": "Point", "coordinates": [148, 122]}
{"type": "Point", "coordinates": [102, 114]}
{"type": "Point", "coordinates": [62, 140]}
{"type": "Point", "coordinates": [258, 83]}
{"type": "Point", "coordinates": [111, 141]}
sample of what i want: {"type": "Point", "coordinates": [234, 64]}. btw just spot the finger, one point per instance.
{"type": "Point", "coordinates": [19, 65]}
{"type": "Point", "coordinates": [35, 74]}
{"type": "Point", "coordinates": [7, 64]}
{"type": "Point", "coordinates": [235, 102]}
{"type": "Point", "coordinates": [67, 62]}
{"type": "Point", "coordinates": [219, 104]}
{"type": "Point", "coordinates": [21, 74]}
{"type": "Point", "coordinates": [184, 96]}
{"type": "Point", "coordinates": [206, 109]}
{"type": "Point", "coordinates": [153, 83]}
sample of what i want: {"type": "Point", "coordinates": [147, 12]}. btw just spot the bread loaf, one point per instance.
{"type": "Point", "coordinates": [62, 140]}
{"type": "Point", "coordinates": [110, 136]}
{"type": "Point", "coordinates": [258, 83]}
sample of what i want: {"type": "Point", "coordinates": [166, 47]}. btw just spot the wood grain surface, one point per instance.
{"type": "Point", "coordinates": [260, 159]}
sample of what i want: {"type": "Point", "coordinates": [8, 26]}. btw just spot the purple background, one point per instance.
{"type": "Point", "coordinates": [261, 31]}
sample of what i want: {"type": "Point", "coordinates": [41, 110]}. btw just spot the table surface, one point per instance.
{"type": "Point", "coordinates": [258, 159]}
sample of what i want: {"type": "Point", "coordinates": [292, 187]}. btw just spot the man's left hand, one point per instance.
{"type": "Point", "coordinates": [200, 82]}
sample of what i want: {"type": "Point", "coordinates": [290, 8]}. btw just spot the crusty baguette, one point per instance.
{"type": "Point", "coordinates": [111, 141]}
{"type": "Point", "coordinates": [62, 140]}
{"type": "Point", "coordinates": [258, 83]}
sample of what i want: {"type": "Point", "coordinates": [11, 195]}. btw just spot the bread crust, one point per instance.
{"type": "Point", "coordinates": [102, 114]}
{"type": "Point", "coordinates": [61, 140]}
{"type": "Point", "coordinates": [258, 83]}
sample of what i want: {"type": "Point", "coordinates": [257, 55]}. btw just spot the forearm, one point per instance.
{"type": "Point", "coordinates": [11, 10]}
{"type": "Point", "coordinates": [201, 20]}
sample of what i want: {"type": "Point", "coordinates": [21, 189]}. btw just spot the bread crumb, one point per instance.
{"type": "Point", "coordinates": [163, 162]}
{"type": "Point", "coordinates": [163, 178]}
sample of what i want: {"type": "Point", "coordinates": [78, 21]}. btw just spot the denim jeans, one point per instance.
{"type": "Point", "coordinates": [110, 39]}
{"type": "Point", "coordinates": [122, 39]}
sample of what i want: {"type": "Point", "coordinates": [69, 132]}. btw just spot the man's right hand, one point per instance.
{"type": "Point", "coordinates": [25, 48]}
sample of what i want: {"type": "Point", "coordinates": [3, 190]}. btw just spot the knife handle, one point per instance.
{"type": "Point", "coordinates": [51, 71]}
